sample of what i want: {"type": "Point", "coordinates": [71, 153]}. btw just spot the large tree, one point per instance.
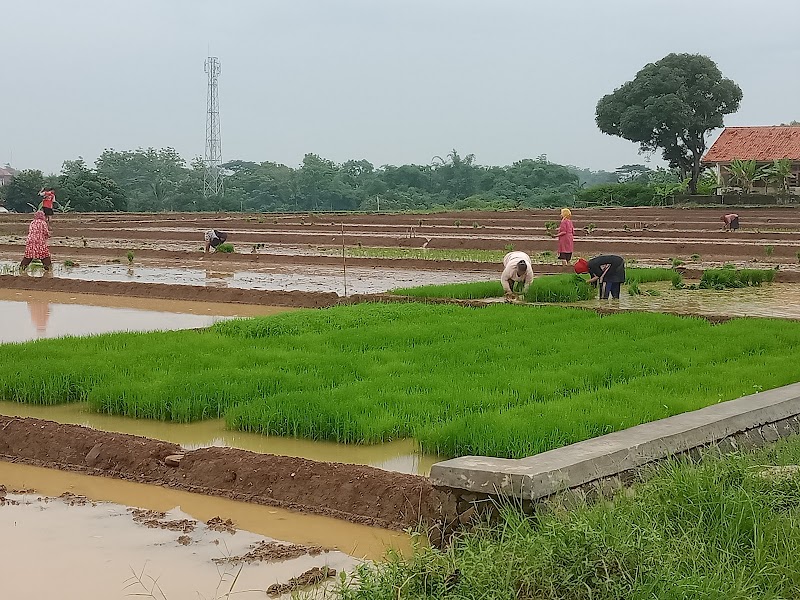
{"type": "Point", "coordinates": [672, 105]}
{"type": "Point", "coordinates": [23, 190]}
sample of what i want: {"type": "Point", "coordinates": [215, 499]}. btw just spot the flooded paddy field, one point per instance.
{"type": "Point", "coordinates": [119, 533]}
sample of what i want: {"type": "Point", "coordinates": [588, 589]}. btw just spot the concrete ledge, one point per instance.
{"type": "Point", "coordinates": [544, 474]}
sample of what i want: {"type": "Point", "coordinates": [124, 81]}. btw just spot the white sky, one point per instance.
{"type": "Point", "coordinates": [387, 80]}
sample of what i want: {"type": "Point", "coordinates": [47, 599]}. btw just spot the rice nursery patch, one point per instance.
{"type": "Point", "coordinates": [504, 380]}
{"type": "Point", "coordinates": [730, 277]}
{"type": "Point", "coordinates": [560, 288]}
{"type": "Point", "coordinates": [461, 291]}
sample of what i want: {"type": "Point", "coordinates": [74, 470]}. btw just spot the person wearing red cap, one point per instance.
{"type": "Point", "coordinates": [607, 270]}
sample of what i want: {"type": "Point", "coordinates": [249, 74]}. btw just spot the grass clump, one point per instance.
{"type": "Point", "coordinates": [729, 277]}
{"type": "Point", "coordinates": [712, 530]}
{"type": "Point", "coordinates": [462, 291]}
{"type": "Point", "coordinates": [226, 248]}
{"type": "Point", "coordinates": [559, 288]}
{"type": "Point", "coordinates": [448, 376]}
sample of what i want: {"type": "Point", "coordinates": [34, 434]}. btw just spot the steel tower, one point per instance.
{"type": "Point", "coordinates": [212, 177]}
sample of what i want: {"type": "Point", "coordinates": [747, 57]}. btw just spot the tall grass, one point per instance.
{"type": "Point", "coordinates": [503, 380]}
{"type": "Point", "coordinates": [711, 531]}
{"type": "Point", "coordinates": [735, 278]}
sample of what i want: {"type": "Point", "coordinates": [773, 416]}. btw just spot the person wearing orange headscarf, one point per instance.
{"type": "Point", "coordinates": [36, 245]}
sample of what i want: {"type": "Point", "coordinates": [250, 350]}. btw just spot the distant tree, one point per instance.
{"type": "Point", "coordinates": [780, 173]}
{"type": "Point", "coordinates": [671, 105]}
{"type": "Point", "coordinates": [633, 173]}
{"type": "Point", "coordinates": [589, 178]}
{"type": "Point", "coordinates": [88, 191]}
{"type": "Point", "coordinates": [23, 190]}
{"type": "Point", "coordinates": [790, 124]}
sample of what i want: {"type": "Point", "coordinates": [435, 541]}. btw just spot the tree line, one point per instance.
{"type": "Point", "coordinates": [155, 180]}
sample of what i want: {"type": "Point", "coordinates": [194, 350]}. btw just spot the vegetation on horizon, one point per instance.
{"type": "Point", "coordinates": [503, 380]}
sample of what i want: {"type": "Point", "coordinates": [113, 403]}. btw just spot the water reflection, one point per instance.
{"type": "Point", "coordinates": [40, 315]}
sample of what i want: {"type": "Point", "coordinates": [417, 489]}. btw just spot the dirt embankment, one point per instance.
{"type": "Point", "coordinates": [165, 291]}
{"type": "Point", "coordinates": [354, 493]}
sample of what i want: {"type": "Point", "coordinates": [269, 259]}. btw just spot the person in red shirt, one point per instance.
{"type": "Point", "coordinates": [48, 198]}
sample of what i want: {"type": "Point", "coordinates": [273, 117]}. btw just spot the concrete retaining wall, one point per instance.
{"type": "Point", "coordinates": [606, 463]}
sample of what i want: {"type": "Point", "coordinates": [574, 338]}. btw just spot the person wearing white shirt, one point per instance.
{"type": "Point", "coordinates": [516, 268]}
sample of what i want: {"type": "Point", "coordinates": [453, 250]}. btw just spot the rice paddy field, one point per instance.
{"type": "Point", "coordinates": [504, 380]}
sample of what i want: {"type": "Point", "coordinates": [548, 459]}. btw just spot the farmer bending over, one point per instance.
{"type": "Point", "coordinates": [607, 270]}
{"type": "Point", "coordinates": [517, 268]}
{"type": "Point", "coordinates": [213, 239]}
{"type": "Point", "coordinates": [730, 222]}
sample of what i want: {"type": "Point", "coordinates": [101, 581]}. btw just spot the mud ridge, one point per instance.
{"type": "Point", "coordinates": [355, 493]}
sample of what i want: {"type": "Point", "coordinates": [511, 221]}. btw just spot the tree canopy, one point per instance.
{"type": "Point", "coordinates": [671, 105]}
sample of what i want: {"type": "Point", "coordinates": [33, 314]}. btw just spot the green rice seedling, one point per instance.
{"type": "Point", "coordinates": [797, 254]}
{"type": "Point", "coordinates": [654, 293]}
{"type": "Point", "coordinates": [445, 375]}
{"type": "Point", "coordinates": [508, 247]}
{"type": "Point", "coordinates": [70, 263]}
{"type": "Point", "coordinates": [226, 248]}
{"type": "Point", "coordinates": [677, 280]}
{"type": "Point", "coordinates": [633, 287]}
{"type": "Point", "coordinates": [649, 275]}
{"type": "Point", "coordinates": [130, 256]}
{"type": "Point", "coordinates": [695, 257]}
{"type": "Point", "coordinates": [551, 227]}
{"type": "Point", "coordinates": [547, 255]}
{"type": "Point", "coordinates": [559, 288]}
{"type": "Point", "coordinates": [462, 291]}
{"type": "Point", "coordinates": [769, 250]}
{"type": "Point", "coordinates": [735, 278]}
{"type": "Point", "coordinates": [590, 227]}
{"type": "Point", "coordinates": [677, 262]}
{"type": "Point", "coordinates": [475, 225]}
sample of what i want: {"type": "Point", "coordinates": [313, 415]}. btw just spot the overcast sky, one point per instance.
{"type": "Point", "coordinates": [387, 80]}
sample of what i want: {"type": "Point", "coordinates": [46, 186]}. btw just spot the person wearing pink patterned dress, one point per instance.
{"type": "Point", "coordinates": [36, 246]}
{"type": "Point", "coordinates": [566, 236]}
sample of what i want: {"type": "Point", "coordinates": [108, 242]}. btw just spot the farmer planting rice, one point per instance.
{"type": "Point", "coordinates": [566, 236]}
{"type": "Point", "coordinates": [214, 238]}
{"type": "Point", "coordinates": [606, 270]}
{"type": "Point", "coordinates": [730, 222]}
{"type": "Point", "coordinates": [36, 244]}
{"type": "Point", "coordinates": [517, 268]}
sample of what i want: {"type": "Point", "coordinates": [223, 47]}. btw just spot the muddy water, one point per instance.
{"type": "Point", "coordinates": [400, 456]}
{"type": "Point", "coordinates": [90, 550]}
{"type": "Point", "coordinates": [359, 280]}
{"type": "Point", "coordinates": [34, 319]}
{"type": "Point", "coordinates": [777, 300]}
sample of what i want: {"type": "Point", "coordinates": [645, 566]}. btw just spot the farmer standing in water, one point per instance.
{"type": "Point", "coordinates": [517, 268]}
{"type": "Point", "coordinates": [36, 245]}
{"type": "Point", "coordinates": [48, 198]}
{"type": "Point", "coordinates": [606, 270]}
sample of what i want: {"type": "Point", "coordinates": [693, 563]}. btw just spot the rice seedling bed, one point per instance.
{"type": "Point", "coordinates": [504, 380]}
{"type": "Point", "coordinates": [730, 277]}
{"type": "Point", "coordinates": [718, 529]}
{"type": "Point", "coordinates": [545, 288]}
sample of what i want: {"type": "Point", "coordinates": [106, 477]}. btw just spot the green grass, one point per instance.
{"type": "Point", "coordinates": [503, 380]}
{"type": "Point", "coordinates": [544, 288]}
{"type": "Point", "coordinates": [712, 531]}
{"type": "Point", "coordinates": [462, 291]}
{"type": "Point", "coordinates": [560, 288]}
{"type": "Point", "coordinates": [735, 278]}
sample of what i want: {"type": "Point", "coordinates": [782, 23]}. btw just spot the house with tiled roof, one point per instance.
{"type": "Point", "coordinates": [761, 144]}
{"type": "Point", "coordinates": [6, 174]}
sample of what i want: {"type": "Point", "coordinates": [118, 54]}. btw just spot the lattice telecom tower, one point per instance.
{"type": "Point", "coordinates": [212, 177]}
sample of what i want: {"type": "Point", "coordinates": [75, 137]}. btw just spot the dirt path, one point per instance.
{"type": "Point", "coordinates": [354, 493]}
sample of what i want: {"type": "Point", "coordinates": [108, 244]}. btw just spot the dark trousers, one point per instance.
{"type": "Point", "coordinates": [46, 263]}
{"type": "Point", "coordinates": [610, 288]}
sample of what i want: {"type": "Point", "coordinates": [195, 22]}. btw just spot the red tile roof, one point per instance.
{"type": "Point", "coordinates": [755, 143]}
